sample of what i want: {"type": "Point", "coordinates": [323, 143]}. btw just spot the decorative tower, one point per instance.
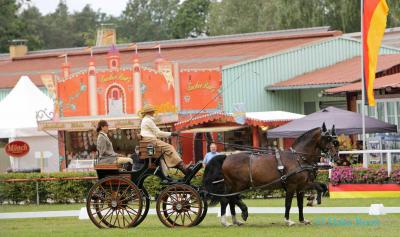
{"type": "Point", "coordinates": [92, 88]}
{"type": "Point", "coordinates": [106, 35]}
{"type": "Point", "coordinates": [137, 81]}
{"type": "Point", "coordinates": [65, 70]}
{"type": "Point", "coordinates": [177, 86]}
{"type": "Point", "coordinates": [113, 58]}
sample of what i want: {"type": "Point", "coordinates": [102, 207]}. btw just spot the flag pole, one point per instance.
{"type": "Point", "coordinates": [365, 158]}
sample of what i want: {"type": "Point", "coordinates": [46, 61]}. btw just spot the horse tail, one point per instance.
{"type": "Point", "coordinates": [213, 178]}
{"type": "Point", "coordinates": [324, 188]}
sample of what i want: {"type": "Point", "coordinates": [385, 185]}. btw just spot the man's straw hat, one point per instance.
{"type": "Point", "coordinates": [147, 109]}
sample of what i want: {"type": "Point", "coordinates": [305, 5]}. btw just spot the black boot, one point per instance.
{"type": "Point", "coordinates": [181, 166]}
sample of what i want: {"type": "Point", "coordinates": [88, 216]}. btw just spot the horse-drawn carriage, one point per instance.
{"type": "Point", "coordinates": [119, 199]}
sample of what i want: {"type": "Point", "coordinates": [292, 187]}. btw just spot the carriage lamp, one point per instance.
{"type": "Point", "coordinates": [150, 150]}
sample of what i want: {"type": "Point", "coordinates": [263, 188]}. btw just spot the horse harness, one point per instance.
{"type": "Point", "coordinates": [311, 168]}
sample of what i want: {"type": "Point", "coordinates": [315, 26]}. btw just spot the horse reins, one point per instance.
{"type": "Point", "coordinates": [300, 168]}
{"type": "Point", "coordinates": [282, 178]}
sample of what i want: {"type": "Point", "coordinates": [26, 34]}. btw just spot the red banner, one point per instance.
{"type": "Point", "coordinates": [374, 23]}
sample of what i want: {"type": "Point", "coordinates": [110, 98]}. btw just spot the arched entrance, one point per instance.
{"type": "Point", "coordinates": [115, 100]}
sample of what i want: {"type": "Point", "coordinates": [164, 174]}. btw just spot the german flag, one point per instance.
{"type": "Point", "coordinates": [374, 23]}
{"type": "Point", "coordinates": [364, 191]}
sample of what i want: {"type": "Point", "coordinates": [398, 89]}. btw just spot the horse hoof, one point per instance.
{"type": "Point", "coordinates": [226, 224]}
{"type": "Point", "coordinates": [238, 223]}
{"type": "Point", "coordinates": [289, 222]}
{"type": "Point", "coordinates": [306, 222]}
{"type": "Point", "coordinates": [245, 215]}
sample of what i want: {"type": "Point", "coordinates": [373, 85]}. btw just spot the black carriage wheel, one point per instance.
{"type": "Point", "coordinates": [179, 205]}
{"type": "Point", "coordinates": [204, 212]}
{"type": "Point", "coordinates": [145, 205]}
{"type": "Point", "coordinates": [114, 202]}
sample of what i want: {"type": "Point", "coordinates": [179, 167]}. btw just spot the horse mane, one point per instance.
{"type": "Point", "coordinates": [306, 134]}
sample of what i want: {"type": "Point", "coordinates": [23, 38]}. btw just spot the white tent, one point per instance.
{"type": "Point", "coordinates": [18, 110]}
{"type": "Point", "coordinates": [18, 122]}
{"type": "Point", "coordinates": [271, 116]}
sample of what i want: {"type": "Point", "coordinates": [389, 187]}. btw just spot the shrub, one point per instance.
{"type": "Point", "coordinates": [60, 191]}
{"type": "Point", "coordinates": [67, 191]}
{"type": "Point", "coordinates": [376, 174]}
{"type": "Point", "coordinates": [396, 176]}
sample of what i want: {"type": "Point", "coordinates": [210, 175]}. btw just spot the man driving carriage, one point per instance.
{"type": "Point", "coordinates": [150, 133]}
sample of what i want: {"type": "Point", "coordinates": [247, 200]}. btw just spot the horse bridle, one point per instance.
{"type": "Point", "coordinates": [325, 152]}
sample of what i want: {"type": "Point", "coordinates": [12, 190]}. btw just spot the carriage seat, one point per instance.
{"type": "Point", "coordinates": [143, 154]}
{"type": "Point", "coordinates": [108, 166]}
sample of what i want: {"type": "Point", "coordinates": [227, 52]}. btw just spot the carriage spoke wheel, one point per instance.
{"type": "Point", "coordinates": [179, 205]}
{"type": "Point", "coordinates": [204, 211]}
{"type": "Point", "coordinates": [114, 202]}
{"type": "Point", "coordinates": [145, 206]}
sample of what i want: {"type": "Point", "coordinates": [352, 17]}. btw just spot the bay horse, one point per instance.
{"type": "Point", "coordinates": [293, 170]}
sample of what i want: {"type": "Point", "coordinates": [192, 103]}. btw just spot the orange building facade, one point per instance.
{"type": "Point", "coordinates": [116, 91]}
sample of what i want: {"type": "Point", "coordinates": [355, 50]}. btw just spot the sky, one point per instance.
{"type": "Point", "coordinates": [112, 7]}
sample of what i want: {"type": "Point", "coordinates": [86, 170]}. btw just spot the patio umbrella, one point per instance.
{"type": "Point", "coordinates": [346, 122]}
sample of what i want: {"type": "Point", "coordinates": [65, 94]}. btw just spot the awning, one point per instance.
{"type": "Point", "coordinates": [339, 74]}
{"type": "Point", "coordinates": [391, 81]}
{"type": "Point", "coordinates": [90, 123]}
{"type": "Point", "coordinates": [266, 118]}
{"type": "Point", "coordinates": [213, 129]}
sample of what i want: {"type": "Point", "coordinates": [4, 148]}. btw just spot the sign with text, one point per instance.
{"type": "Point", "coordinates": [17, 148]}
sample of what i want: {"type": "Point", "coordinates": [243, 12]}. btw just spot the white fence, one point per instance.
{"type": "Point", "coordinates": [366, 160]}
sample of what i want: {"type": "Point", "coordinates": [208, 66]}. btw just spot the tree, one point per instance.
{"type": "Point", "coordinates": [190, 20]}
{"type": "Point", "coordinates": [344, 15]}
{"type": "Point", "coordinates": [58, 28]}
{"type": "Point", "coordinates": [32, 28]}
{"type": "Point", "coordinates": [10, 23]}
{"type": "Point", "coordinates": [84, 26]}
{"type": "Point", "coordinates": [394, 13]}
{"type": "Point", "coordinates": [237, 16]}
{"type": "Point", "coordinates": [144, 20]}
{"type": "Point", "coordinates": [300, 13]}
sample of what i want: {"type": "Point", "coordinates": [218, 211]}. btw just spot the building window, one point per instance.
{"type": "Point", "coordinates": [380, 106]}
{"type": "Point", "coordinates": [398, 115]}
{"type": "Point", "coordinates": [391, 113]}
{"type": "Point", "coordinates": [387, 110]}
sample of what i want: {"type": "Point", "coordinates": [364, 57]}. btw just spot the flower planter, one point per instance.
{"type": "Point", "coordinates": [364, 191]}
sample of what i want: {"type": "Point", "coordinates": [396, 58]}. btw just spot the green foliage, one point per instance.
{"type": "Point", "coordinates": [190, 20]}
{"type": "Point", "coordinates": [69, 191]}
{"type": "Point", "coordinates": [394, 13]}
{"type": "Point", "coordinates": [10, 26]}
{"type": "Point", "coordinates": [59, 29]}
{"type": "Point", "coordinates": [149, 20]}
{"type": "Point", "coordinates": [235, 16]}
{"type": "Point", "coordinates": [63, 191]}
{"type": "Point", "coordinates": [145, 20]}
